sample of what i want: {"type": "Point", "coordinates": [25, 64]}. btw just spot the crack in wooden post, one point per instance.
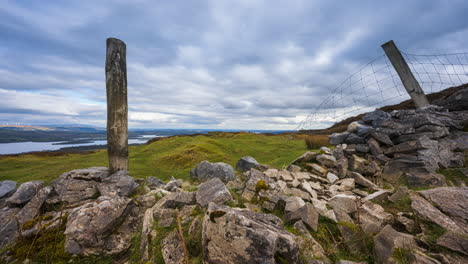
{"type": "Point", "coordinates": [117, 109]}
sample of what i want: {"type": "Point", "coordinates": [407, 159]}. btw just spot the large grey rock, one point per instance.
{"type": "Point", "coordinates": [7, 188]}
{"type": "Point", "coordinates": [455, 242]}
{"type": "Point", "coordinates": [25, 192]}
{"type": "Point", "coordinates": [338, 138]}
{"type": "Point", "coordinates": [411, 146]}
{"type": "Point", "coordinates": [206, 170]}
{"type": "Point", "coordinates": [387, 241]}
{"type": "Point", "coordinates": [457, 101]}
{"type": "Point", "coordinates": [430, 213]}
{"type": "Point", "coordinates": [172, 250]}
{"type": "Point", "coordinates": [376, 118]}
{"type": "Point", "coordinates": [118, 184]}
{"type": "Point", "coordinates": [214, 191]}
{"type": "Point", "coordinates": [78, 186]}
{"type": "Point", "coordinates": [453, 201]}
{"type": "Point", "coordinates": [354, 139]}
{"type": "Point", "coordinates": [241, 236]}
{"type": "Point", "coordinates": [103, 227]}
{"type": "Point", "coordinates": [8, 226]}
{"type": "Point", "coordinates": [246, 163]}
{"type": "Point", "coordinates": [343, 202]}
{"type": "Point", "coordinates": [33, 207]}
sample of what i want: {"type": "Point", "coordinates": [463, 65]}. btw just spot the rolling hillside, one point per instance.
{"type": "Point", "coordinates": [173, 156]}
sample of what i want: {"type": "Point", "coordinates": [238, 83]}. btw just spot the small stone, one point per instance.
{"type": "Point", "coordinates": [326, 160]}
{"type": "Point", "coordinates": [332, 177]}
{"type": "Point", "coordinates": [293, 203]}
{"type": "Point", "coordinates": [361, 180]}
{"type": "Point", "coordinates": [317, 168]}
{"type": "Point", "coordinates": [399, 194]}
{"type": "Point", "coordinates": [306, 213]}
{"type": "Point", "coordinates": [381, 195]}
{"type": "Point", "coordinates": [154, 182]}
{"type": "Point", "coordinates": [293, 168]}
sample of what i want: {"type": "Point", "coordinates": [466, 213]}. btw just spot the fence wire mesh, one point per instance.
{"type": "Point", "coordinates": [377, 84]}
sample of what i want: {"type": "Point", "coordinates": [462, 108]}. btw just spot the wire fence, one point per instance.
{"type": "Point", "coordinates": [377, 84]}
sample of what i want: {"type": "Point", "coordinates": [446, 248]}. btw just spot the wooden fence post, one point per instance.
{"type": "Point", "coordinates": [117, 109]}
{"type": "Point", "coordinates": [406, 76]}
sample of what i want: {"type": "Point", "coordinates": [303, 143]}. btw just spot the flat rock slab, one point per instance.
{"type": "Point", "coordinates": [453, 201]}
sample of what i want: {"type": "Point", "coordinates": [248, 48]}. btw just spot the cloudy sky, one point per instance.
{"type": "Point", "coordinates": [243, 64]}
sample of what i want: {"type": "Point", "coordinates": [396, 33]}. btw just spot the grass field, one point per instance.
{"type": "Point", "coordinates": [168, 157]}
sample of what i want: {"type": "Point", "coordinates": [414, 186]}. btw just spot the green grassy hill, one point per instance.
{"type": "Point", "coordinates": [173, 156]}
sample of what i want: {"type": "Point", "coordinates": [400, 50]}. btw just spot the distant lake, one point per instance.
{"type": "Point", "coordinates": [21, 147]}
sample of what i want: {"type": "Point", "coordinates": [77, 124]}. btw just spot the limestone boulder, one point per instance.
{"type": "Point", "coordinates": [206, 170]}
{"type": "Point", "coordinates": [241, 236]}
{"type": "Point", "coordinates": [430, 213]}
{"type": "Point", "coordinates": [214, 191]}
{"type": "Point", "coordinates": [343, 202]}
{"type": "Point", "coordinates": [78, 186]}
{"type": "Point", "coordinates": [246, 163]}
{"type": "Point", "coordinates": [452, 201]}
{"type": "Point", "coordinates": [338, 138]}
{"type": "Point", "coordinates": [7, 188]}
{"type": "Point", "coordinates": [388, 241]}
{"type": "Point", "coordinates": [118, 184]}
{"type": "Point", "coordinates": [33, 207]}
{"type": "Point", "coordinates": [103, 227]}
{"type": "Point", "coordinates": [25, 193]}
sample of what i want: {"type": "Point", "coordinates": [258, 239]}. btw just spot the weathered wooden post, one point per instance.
{"type": "Point", "coordinates": [407, 78]}
{"type": "Point", "coordinates": [117, 109]}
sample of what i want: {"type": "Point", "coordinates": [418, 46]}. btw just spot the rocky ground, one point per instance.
{"type": "Point", "coordinates": [377, 196]}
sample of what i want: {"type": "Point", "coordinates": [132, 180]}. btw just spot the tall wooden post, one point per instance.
{"type": "Point", "coordinates": [117, 109]}
{"type": "Point", "coordinates": [407, 78]}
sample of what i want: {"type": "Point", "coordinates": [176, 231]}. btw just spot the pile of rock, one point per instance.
{"type": "Point", "coordinates": [409, 144]}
